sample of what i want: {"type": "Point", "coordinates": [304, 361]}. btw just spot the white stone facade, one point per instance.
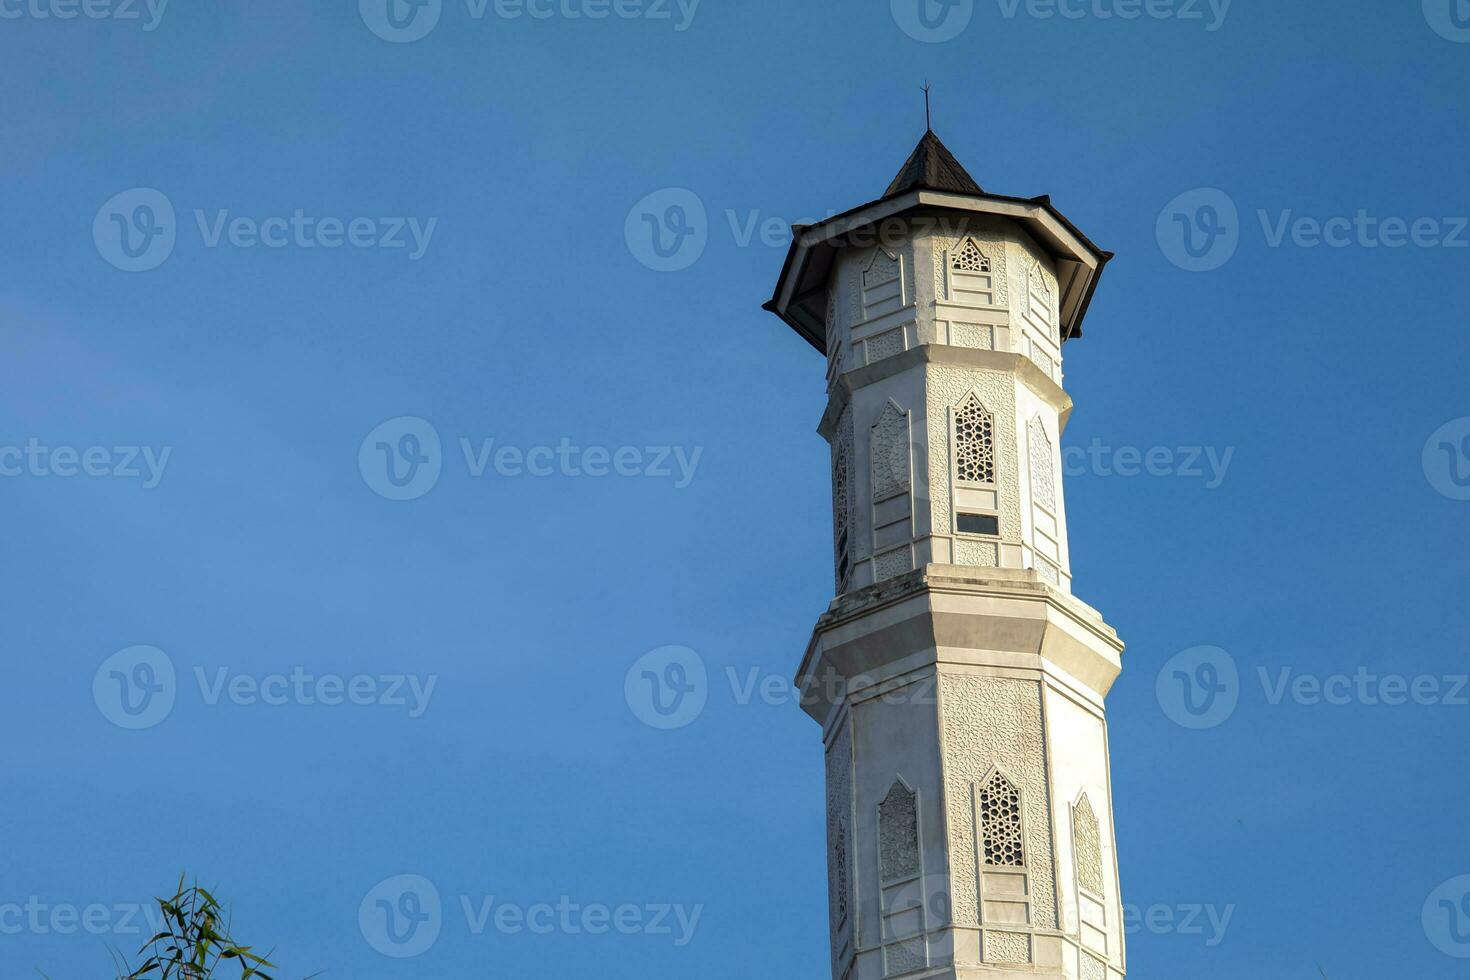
{"type": "Point", "coordinates": [914, 334]}
{"type": "Point", "coordinates": [959, 684]}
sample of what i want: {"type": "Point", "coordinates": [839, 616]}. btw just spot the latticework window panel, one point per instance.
{"type": "Point", "coordinates": [1000, 823]}
{"type": "Point", "coordinates": [974, 443]}
{"type": "Point", "coordinates": [970, 259]}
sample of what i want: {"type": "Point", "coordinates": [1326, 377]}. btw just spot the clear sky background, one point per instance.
{"type": "Point", "coordinates": [1322, 830]}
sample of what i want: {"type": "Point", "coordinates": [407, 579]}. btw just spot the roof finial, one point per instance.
{"type": "Point", "coordinates": [928, 118]}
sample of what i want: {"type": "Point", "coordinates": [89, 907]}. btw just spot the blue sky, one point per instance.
{"type": "Point", "coordinates": [224, 524]}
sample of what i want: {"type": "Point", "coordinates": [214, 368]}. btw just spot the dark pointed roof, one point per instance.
{"type": "Point", "coordinates": [931, 181]}
{"type": "Point", "coordinates": [932, 167]}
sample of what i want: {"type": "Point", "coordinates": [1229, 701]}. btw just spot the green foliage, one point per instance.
{"type": "Point", "coordinates": [194, 943]}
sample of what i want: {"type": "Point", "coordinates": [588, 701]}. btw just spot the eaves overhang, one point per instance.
{"type": "Point", "coordinates": [800, 296]}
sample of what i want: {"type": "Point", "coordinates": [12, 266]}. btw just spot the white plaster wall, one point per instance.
{"type": "Point", "coordinates": [1077, 737]}
{"type": "Point", "coordinates": [896, 734]}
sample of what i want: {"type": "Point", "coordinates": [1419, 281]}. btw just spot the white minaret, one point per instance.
{"type": "Point", "coordinates": [958, 682]}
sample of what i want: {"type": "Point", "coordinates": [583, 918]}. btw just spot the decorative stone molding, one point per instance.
{"type": "Point", "coordinates": [995, 723]}
{"type": "Point", "coordinates": [889, 442]}
{"type": "Point", "coordinates": [898, 834]}
{"type": "Point", "coordinates": [839, 836]}
{"type": "Point", "coordinates": [1087, 845]}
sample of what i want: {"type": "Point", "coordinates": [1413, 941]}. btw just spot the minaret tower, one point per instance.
{"type": "Point", "coordinates": [958, 682]}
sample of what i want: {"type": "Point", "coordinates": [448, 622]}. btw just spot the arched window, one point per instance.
{"type": "Point", "coordinates": [1039, 300]}
{"type": "Point", "coordinates": [974, 430]}
{"type": "Point", "coordinates": [882, 285]}
{"type": "Point", "coordinates": [898, 834]}
{"type": "Point", "coordinates": [1087, 843]}
{"type": "Point", "coordinates": [969, 258]}
{"type": "Point", "coordinates": [1043, 467]}
{"type": "Point", "coordinates": [1000, 818]}
{"type": "Point", "coordinates": [971, 282]}
{"type": "Point", "coordinates": [902, 904]}
{"type": "Point", "coordinates": [889, 453]}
